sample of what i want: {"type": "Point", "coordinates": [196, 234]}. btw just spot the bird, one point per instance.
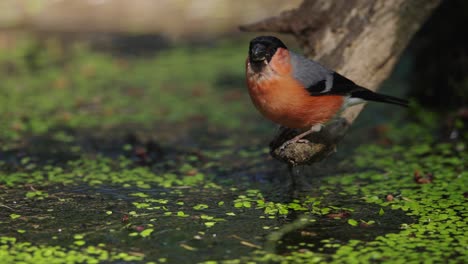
{"type": "Point", "coordinates": [299, 93]}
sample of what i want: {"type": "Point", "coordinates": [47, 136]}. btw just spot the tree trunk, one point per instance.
{"type": "Point", "coordinates": [360, 39]}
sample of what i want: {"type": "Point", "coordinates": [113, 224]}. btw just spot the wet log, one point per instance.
{"type": "Point", "coordinates": [359, 39]}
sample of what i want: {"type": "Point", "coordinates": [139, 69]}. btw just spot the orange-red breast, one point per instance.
{"type": "Point", "coordinates": [297, 92]}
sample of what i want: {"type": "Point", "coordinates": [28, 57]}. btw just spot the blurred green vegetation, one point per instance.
{"type": "Point", "coordinates": [46, 85]}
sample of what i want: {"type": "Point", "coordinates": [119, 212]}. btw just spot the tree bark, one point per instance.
{"type": "Point", "coordinates": [360, 39]}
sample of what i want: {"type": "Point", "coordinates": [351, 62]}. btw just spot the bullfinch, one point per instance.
{"type": "Point", "coordinates": [296, 92]}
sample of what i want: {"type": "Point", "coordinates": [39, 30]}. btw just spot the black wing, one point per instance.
{"type": "Point", "coordinates": [334, 84]}
{"type": "Point", "coordinates": [341, 85]}
{"type": "Point", "coordinates": [320, 80]}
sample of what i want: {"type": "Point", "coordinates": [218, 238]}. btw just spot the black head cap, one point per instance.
{"type": "Point", "coordinates": [263, 48]}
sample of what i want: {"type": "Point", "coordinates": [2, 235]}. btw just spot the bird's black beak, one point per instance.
{"type": "Point", "coordinates": [258, 53]}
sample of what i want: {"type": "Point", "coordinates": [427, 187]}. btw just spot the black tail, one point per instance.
{"type": "Point", "coordinates": [368, 95]}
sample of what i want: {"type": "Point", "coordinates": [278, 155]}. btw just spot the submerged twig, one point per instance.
{"type": "Point", "coordinates": [6, 206]}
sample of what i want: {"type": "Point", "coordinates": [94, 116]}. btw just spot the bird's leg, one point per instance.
{"type": "Point", "coordinates": [298, 138]}
{"type": "Point", "coordinates": [314, 128]}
